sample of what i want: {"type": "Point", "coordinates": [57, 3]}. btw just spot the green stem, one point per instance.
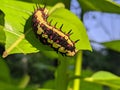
{"type": "Point", "coordinates": [78, 69]}
{"type": "Point", "coordinates": [24, 81]}
{"type": "Point", "coordinates": [61, 75]}
{"type": "Point", "coordinates": [82, 16]}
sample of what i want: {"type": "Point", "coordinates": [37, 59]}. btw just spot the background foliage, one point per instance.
{"type": "Point", "coordinates": [41, 70]}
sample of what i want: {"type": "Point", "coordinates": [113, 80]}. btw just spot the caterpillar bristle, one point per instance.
{"type": "Point", "coordinates": [24, 18]}
{"type": "Point", "coordinates": [50, 21]}
{"type": "Point", "coordinates": [22, 24]}
{"type": "Point", "coordinates": [61, 26]}
{"type": "Point", "coordinates": [37, 6]}
{"type": "Point", "coordinates": [33, 8]}
{"type": "Point", "coordinates": [44, 6]}
{"type": "Point", "coordinates": [55, 24]}
{"type": "Point", "coordinates": [69, 31]}
{"type": "Point", "coordinates": [76, 41]}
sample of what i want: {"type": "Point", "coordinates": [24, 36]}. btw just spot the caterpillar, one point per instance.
{"type": "Point", "coordinates": [50, 35]}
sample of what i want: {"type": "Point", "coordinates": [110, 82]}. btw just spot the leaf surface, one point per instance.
{"type": "Point", "coordinates": [105, 78]}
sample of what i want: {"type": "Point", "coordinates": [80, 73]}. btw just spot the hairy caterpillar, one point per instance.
{"type": "Point", "coordinates": [50, 35]}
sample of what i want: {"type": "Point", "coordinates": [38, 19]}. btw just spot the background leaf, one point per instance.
{"type": "Point", "coordinates": [114, 45]}
{"type": "Point", "coordinates": [51, 3]}
{"type": "Point", "coordinates": [88, 85]}
{"type": "Point", "coordinates": [100, 5]}
{"type": "Point", "coordinates": [5, 73]}
{"type": "Point", "coordinates": [105, 78]}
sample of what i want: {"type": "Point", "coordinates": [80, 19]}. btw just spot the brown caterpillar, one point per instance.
{"type": "Point", "coordinates": [50, 35]}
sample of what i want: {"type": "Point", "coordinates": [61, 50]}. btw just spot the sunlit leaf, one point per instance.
{"type": "Point", "coordinates": [18, 29]}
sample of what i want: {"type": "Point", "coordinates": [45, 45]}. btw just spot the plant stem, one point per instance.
{"type": "Point", "coordinates": [82, 16]}
{"type": "Point", "coordinates": [24, 82]}
{"type": "Point", "coordinates": [78, 68]}
{"type": "Point", "coordinates": [62, 76]}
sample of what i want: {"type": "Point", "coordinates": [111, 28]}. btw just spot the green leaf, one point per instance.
{"type": "Point", "coordinates": [49, 84]}
{"type": "Point", "coordinates": [6, 86]}
{"type": "Point", "coordinates": [100, 5]}
{"type": "Point", "coordinates": [14, 27]}
{"type": "Point", "coordinates": [20, 39]}
{"type": "Point", "coordinates": [51, 3]}
{"type": "Point", "coordinates": [4, 74]}
{"type": "Point", "coordinates": [58, 5]}
{"type": "Point", "coordinates": [6, 80]}
{"type": "Point", "coordinates": [114, 45]}
{"type": "Point", "coordinates": [105, 78]}
{"type": "Point", "coordinates": [88, 85]}
{"type": "Point", "coordinates": [15, 12]}
{"type": "Point", "coordinates": [44, 89]}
